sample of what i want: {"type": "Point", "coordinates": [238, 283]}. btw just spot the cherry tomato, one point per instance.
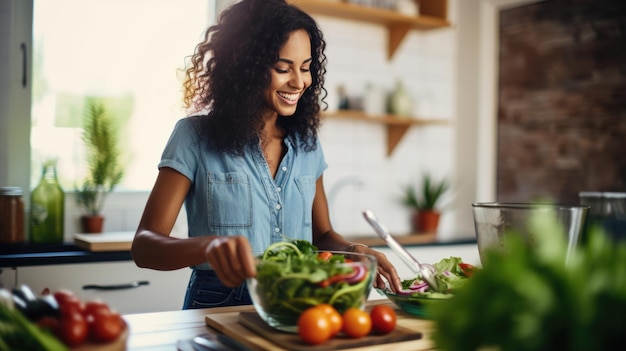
{"type": "Point", "coordinates": [73, 329]}
{"type": "Point", "coordinates": [68, 302]}
{"type": "Point", "coordinates": [325, 255]}
{"type": "Point", "coordinates": [356, 323]}
{"type": "Point", "coordinates": [383, 319]}
{"type": "Point", "coordinates": [468, 269]}
{"type": "Point", "coordinates": [63, 295]}
{"type": "Point", "coordinates": [314, 326]}
{"type": "Point", "coordinates": [334, 317]}
{"type": "Point", "coordinates": [105, 326]}
{"type": "Point", "coordinates": [94, 306]}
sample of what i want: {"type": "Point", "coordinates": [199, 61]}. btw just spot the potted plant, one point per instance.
{"type": "Point", "coordinates": [104, 169]}
{"type": "Point", "coordinates": [423, 201]}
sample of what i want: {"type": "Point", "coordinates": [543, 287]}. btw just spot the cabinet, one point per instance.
{"type": "Point", "coordinates": [15, 93]}
{"type": "Point", "coordinates": [433, 14]}
{"type": "Point", "coordinates": [396, 126]}
{"type": "Point", "coordinates": [123, 286]}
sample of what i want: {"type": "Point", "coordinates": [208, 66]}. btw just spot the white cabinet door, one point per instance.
{"type": "Point", "coordinates": [150, 291]}
{"type": "Point", "coordinates": [16, 52]}
{"type": "Point", "coordinates": [7, 277]}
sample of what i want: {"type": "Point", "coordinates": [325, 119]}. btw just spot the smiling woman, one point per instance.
{"type": "Point", "coordinates": [126, 53]}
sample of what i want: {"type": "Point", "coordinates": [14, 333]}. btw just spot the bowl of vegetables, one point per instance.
{"type": "Point", "coordinates": [294, 276]}
{"type": "Point", "coordinates": [416, 296]}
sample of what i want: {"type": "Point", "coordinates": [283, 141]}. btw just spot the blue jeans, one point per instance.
{"type": "Point", "coordinates": [205, 290]}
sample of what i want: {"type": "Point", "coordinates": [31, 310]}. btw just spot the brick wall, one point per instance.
{"type": "Point", "coordinates": [562, 102]}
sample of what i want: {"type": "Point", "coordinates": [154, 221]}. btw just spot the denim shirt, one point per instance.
{"type": "Point", "coordinates": [236, 195]}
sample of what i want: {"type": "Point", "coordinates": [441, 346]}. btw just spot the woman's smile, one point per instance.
{"type": "Point", "coordinates": [289, 98]}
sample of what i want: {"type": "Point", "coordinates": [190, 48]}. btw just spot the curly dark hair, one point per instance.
{"type": "Point", "coordinates": [230, 69]}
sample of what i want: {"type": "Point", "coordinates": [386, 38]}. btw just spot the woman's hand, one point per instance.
{"type": "Point", "coordinates": [387, 274]}
{"type": "Point", "coordinates": [232, 259]}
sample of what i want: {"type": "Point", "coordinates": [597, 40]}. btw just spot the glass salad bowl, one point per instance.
{"type": "Point", "coordinates": [293, 276]}
{"type": "Point", "coordinates": [415, 304]}
{"type": "Point", "coordinates": [416, 296]}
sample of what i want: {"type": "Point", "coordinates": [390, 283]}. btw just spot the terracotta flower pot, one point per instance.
{"type": "Point", "coordinates": [425, 221]}
{"type": "Point", "coordinates": [92, 224]}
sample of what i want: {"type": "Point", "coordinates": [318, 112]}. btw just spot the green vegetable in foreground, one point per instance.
{"type": "Point", "coordinates": [292, 277]}
{"type": "Point", "coordinates": [18, 333]}
{"type": "Point", "coordinates": [533, 298]}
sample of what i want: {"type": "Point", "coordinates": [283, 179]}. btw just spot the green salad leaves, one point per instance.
{"type": "Point", "coordinates": [292, 276]}
{"type": "Point", "coordinates": [450, 273]}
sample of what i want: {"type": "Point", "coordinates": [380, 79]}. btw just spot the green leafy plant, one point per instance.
{"type": "Point", "coordinates": [533, 296]}
{"type": "Point", "coordinates": [427, 196]}
{"type": "Point", "coordinates": [103, 157]}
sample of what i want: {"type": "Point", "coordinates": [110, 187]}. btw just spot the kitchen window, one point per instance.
{"type": "Point", "coordinates": [129, 54]}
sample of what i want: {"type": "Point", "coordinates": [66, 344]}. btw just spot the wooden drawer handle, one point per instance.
{"type": "Point", "coordinates": [130, 285]}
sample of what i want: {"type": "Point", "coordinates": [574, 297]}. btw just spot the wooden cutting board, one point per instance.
{"type": "Point", "coordinates": [248, 328]}
{"type": "Point", "coordinates": [291, 341]}
{"type": "Point", "coordinates": [111, 241]}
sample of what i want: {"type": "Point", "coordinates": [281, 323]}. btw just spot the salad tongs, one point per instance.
{"type": "Point", "coordinates": [423, 271]}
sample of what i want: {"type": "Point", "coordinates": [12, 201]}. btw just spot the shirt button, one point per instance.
{"type": "Point", "coordinates": [277, 206]}
{"type": "Point", "coordinates": [278, 189]}
{"type": "Point", "coordinates": [284, 169]}
{"type": "Point", "coordinates": [276, 230]}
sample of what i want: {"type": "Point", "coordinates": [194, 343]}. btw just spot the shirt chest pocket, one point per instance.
{"type": "Point", "coordinates": [229, 200]}
{"type": "Point", "coordinates": [306, 189]}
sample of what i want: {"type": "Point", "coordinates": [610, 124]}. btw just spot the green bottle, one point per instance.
{"type": "Point", "coordinates": [47, 203]}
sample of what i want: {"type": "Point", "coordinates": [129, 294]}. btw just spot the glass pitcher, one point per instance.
{"type": "Point", "coordinates": [608, 210]}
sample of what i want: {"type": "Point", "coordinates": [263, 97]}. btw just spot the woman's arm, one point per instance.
{"type": "Point", "coordinates": [324, 237]}
{"type": "Point", "coordinates": [231, 257]}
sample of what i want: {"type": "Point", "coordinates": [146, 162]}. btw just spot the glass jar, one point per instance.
{"type": "Point", "coordinates": [400, 103]}
{"type": "Point", "coordinates": [608, 210]}
{"type": "Point", "coordinates": [47, 203]}
{"type": "Point", "coordinates": [11, 215]}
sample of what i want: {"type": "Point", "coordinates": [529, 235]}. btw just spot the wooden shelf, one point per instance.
{"type": "Point", "coordinates": [396, 126]}
{"type": "Point", "coordinates": [433, 14]}
{"type": "Point", "coordinates": [407, 239]}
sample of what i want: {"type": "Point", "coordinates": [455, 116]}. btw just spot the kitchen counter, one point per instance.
{"type": "Point", "coordinates": [23, 255]}
{"type": "Point", "coordinates": [409, 240]}
{"type": "Point", "coordinates": [160, 331]}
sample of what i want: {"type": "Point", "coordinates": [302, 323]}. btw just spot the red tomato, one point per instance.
{"type": "Point", "coordinates": [356, 323]}
{"type": "Point", "coordinates": [313, 326]}
{"type": "Point", "coordinates": [68, 302]}
{"type": "Point", "coordinates": [105, 326]}
{"type": "Point", "coordinates": [383, 319]}
{"type": "Point", "coordinates": [73, 329]}
{"type": "Point", "coordinates": [72, 306]}
{"type": "Point", "coordinates": [325, 255]}
{"type": "Point", "coordinates": [63, 295]}
{"type": "Point", "coordinates": [467, 269]}
{"type": "Point", "coordinates": [94, 306]}
{"type": "Point", "coordinates": [336, 322]}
